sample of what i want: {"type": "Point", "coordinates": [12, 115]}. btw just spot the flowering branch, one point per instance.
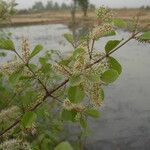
{"type": "Point", "coordinates": [49, 94]}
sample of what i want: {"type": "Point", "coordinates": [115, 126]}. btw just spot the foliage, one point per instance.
{"type": "Point", "coordinates": [145, 7]}
{"type": "Point", "coordinates": [38, 6]}
{"type": "Point", "coordinates": [37, 101]}
{"type": "Point", "coordinates": [7, 9]}
{"type": "Point", "coordinates": [104, 14]}
{"type": "Point", "coordinates": [50, 5]}
{"type": "Point", "coordinates": [84, 4]}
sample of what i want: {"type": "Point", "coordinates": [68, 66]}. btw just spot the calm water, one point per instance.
{"type": "Point", "coordinates": [125, 118]}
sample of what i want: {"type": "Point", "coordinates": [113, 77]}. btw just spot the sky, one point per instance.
{"type": "Point", "coordinates": [109, 3]}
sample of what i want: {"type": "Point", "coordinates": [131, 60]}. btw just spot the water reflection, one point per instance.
{"type": "Point", "coordinates": [78, 30]}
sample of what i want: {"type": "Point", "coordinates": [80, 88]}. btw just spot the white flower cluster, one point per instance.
{"type": "Point", "coordinates": [25, 50]}
{"type": "Point", "coordinates": [15, 145]}
{"type": "Point", "coordinates": [62, 69]}
{"type": "Point", "coordinates": [32, 130]}
{"type": "Point", "coordinates": [68, 105]}
{"type": "Point", "coordinates": [96, 96]}
{"type": "Point", "coordinates": [8, 114]}
{"type": "Point", "coordinates": [104, 14]}
{"type": "Point", "coordinates": [103, 65]}
{"type": "Point", "coordinates": [79, 65]}
{"type": "Point", "coordinates": [39, 100]}
{"type": "Point", "coordinates": [10, 67]}
{"type": "Point", "coordinates": [101, 31]}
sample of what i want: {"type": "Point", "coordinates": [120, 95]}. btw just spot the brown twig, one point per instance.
{"type": "Point", "coordinates": [35, 107]}
{"type": "Point", "coordinates": [92, 48]}
{"type": "Point", "coordinates": [107, 55]}
{"type": "Point", "coordinates": [35, 76]}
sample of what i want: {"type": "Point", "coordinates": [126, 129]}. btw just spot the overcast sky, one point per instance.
{"type": "Point", "coordinates": [109, 3]}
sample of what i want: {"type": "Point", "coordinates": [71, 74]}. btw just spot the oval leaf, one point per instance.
{"type": "Point", "coordinates": [109, 76]}
{"type": "Point", "coordinates": [7, 44]}
{"type": "Point", "coordinates": [76, 94]}
{"type": "Point", "coordinates": [67, 115]}
{"type": "Point", "coordinates": [112, 33]}
{"type": "Point", "coordinates": [63, 146]}
{"type": "Point", "coordinates": [69, 38]}
{"type": "Point", "coordinates": [75, 80]}
{"type": "Point", "coordinates": [119, 23]}
{"type": "Point", "coordinates": [36, 50]}
{"type": "Point", "coordinates": [93, 113]}
{"type": "Point", "coordinates": [111, 45]}
{"type": "Point", "coordinates": [114, 64]}
{"type": "Point", "coordinates": [77, 52]}
{"type": "Point", "coordinates": [145, 36]}
{"type": "Point", "coordinates": [28, 119]}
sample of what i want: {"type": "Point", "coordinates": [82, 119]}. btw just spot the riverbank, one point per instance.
{"type": "Point", "coordinates": [64, 17]}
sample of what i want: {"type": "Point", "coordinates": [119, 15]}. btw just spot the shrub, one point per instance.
{"type": "Point", "coordinates": [36, 101]}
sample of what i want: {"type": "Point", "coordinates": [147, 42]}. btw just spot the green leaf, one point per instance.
{"type": "Point", "coordinates": [36, 50]}
{"type": "Point", "coordinates": [77, 52]}
{"type": "Point", "coordinates": [42, 60]}
{"type": "Point", "coordinates": [145, 36]}
{"type": "Point", "coordinates": [119, 23]}
{"type": "Point", "coordinates": [93, 113]}
{"type": "Point", "coordinates": [2, 54]}
{"type": "Point", "coordinates": [83, 38]}
{"type": "Point", "coordinates": [46, 144]}
{"type": "Point", "coordinates": [112, 33]}
{"type": "Point", "coordinates": [7, 44]}
{"type": "Point", "coordinates": [28, 119]}
{"type": "Point", "coordinates": [75, 80]}
{"type": "Point", "coordinates": [114, 64]}
{"type": "Point", "coordinates": [33, 67]}
{"type": "Point", "coordinates": [83, 123]}
{"type": "Point", "coordinates": [28, 97]}
{"type": "Point", "coordinates": [102, 94]}
{"type": "Point", "coordinates": [109, 76]}
{"type": "Point", "coordinates": [69, 38]}
{"type": "Point", "coordinates": [2, 88]}
{"type": "Point", "coordinates": [76, 94]}
{"type": "Point", "coordinates": [65, 62]}
{"type": "Point", "coordinates": [64, 146]}
{"type": "Point", "coordinates": [111, 45]}
{"type": "Point", "coordinates": [25, 78]}
{"type": "Point", "coordinates": [14, 78]}
{"type": "Point", "coordinates": [93, 77]}
{"type": "Point", "coordinates": [67, 115]}
{"type": "Point", "coordinates": [46, 68]}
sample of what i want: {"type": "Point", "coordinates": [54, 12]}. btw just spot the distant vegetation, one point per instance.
{"type": "Point", "coordinates": [50, 5]}
{"type": "Point", "coordinates": [145, 7]}
{"type": "Point", "coordinates": [7, 9]}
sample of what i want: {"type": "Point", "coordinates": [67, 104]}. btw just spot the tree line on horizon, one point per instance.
{"type": "Point", "coordinates": [50, 5]}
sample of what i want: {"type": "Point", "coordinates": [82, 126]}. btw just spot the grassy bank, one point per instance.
{"type": "Point", "coordinates": [64, 17]}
